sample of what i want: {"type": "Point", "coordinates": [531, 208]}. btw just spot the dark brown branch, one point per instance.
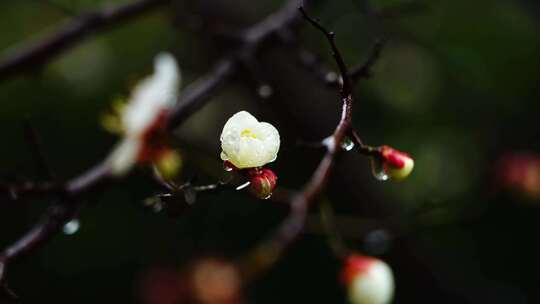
{"type": "Point", "coordinates": [364, 70]}
{"type": "Point", "coordinates": [194, 98]}
{"type": "Point", "coordinates": [77, 29]}
{"type": "Point", "coordinates": [346, 86]}
{"type": "Point", "coordinates": [361, 147]}
{"type": "Point", "coordinates": [269, 250]}
{"type": "Point", "coordinates": [56, 216]}
{"type": "Point", "coordinates": [313, 63]}
{"type": "Point", "coordinates": [196, 95]}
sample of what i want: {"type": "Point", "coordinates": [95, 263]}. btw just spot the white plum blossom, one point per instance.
{"type": "Point", "coordinates": [144, 113]}
{"type": "Point", "coordinates": [248, 143]}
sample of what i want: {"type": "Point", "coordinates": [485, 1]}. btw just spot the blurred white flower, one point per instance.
{"type": "Point", "coordinates": [248, 143]}
{"type": "Point", "coordinates": [368, 280]}
{"type": "Point", "coordinates": [142, 120]}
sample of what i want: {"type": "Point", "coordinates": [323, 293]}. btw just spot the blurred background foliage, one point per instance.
{"type": "Point", "coordinates": [456, 87]}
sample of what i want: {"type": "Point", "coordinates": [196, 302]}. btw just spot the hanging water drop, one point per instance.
{"type": "Point", "coordinates": [228, 166]}
{"type": "Point", "coordinates": [347, 144]}
{"type": "Point", "coordinates": [377, 169]}
{"type": "Point", "coordinates": [267, 197]}
{"type": "Point", "coordinates": [265, 91]}
{"type": "Point", "coordinates": [71, 227]}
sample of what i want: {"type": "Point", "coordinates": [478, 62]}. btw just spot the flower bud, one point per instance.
{"type": "Point", "coordinates": [169, 164]}
{"type": "Point", "coordinates": [398, 165]}
{"type": "Point", "coordinates": [520, 172]}
{"type": "Point", "coordinates": [368, 280]}
{"type": "Point", "coordinates": [247, 142]}
{"type": "Point", "coordinates": [262, 182]}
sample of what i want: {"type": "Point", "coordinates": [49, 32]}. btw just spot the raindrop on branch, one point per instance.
{"type": "Point", "coordinates": [377, 169]}
{"type": "Point", "coordinates": [347, 144]}
{"type": "Point", "coordinates": [228, 166]}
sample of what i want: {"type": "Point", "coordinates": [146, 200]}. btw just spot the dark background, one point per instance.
{"type": "Point", "coordinates": [456, 87]}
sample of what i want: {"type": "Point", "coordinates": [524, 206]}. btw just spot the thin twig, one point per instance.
{"type": "Point", "coordinates": [346, 86]}
{"type": "Point", "coordinates": [364, 70]}
{"type": "Point", "coordinates": [196, 95]}
{"type": "Point", "coordinates": [313, 63]}
{"type": "Point", "coordinates": [269, 250]}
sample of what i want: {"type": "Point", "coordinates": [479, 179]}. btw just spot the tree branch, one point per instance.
{"type": "Point", "coordinates": [270, 249]}
{"type": "Point", "coordinates": [196, 95]}
{"type": "Point", "coordinates": [193, 99]}
{"type": "Point", "coordinates": [77, 29]}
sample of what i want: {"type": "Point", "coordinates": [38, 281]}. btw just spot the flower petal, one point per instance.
{"type": "Point", "coordinates": [153, 94]}
{"type": "Point", "coordinates": [247, 143]}
{"type": "Point", "coordinates": [124, 156]}
{"type": "Point", "coordinates": [271, 141]}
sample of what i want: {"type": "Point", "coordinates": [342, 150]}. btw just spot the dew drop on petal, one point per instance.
{"type": "Point", "coordinates": [71, 227]}
{"type": "Point", "coordinates": [242, 186]}
{"type": "Point", "coordinates": [377, 170]}
{"type": "Point", "coordinates": [347, 144]}
{"type": "Point", "coordinates": [265, 91]}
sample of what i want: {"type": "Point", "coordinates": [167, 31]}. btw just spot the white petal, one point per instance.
{"type": "Point", "coordinates": [124, 156]}
{"type": "Point", "coordinates": [247, 143]}
{"type": "Point", "coordinates": [251, 153]}
{"type": "Point", "coordinates": [238, 122]}
{"type": "Point", "coordinates": [270, 137]}
{"type": "Point", "coordinates": [152, 95]}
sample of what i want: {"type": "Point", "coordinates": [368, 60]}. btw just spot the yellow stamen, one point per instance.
{"type": "Point", "coordinates": [248, 133]}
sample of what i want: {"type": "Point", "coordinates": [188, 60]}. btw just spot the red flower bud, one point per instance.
{"type": "Point", "coordinates": [398, 165]}
{"type": "Point", "coordinates": [262, 182]}
{"type": "Point", "coordinates": [368, 280]}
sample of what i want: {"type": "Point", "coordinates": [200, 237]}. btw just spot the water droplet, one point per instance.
{"type": "Point", "coordinates": [265, 91]}
{"type": "Point", "coordinates": [377, 169]}
{"type": "Point", "coordinates": [242, 186]}
{"type": "Point", "coordinates": [347, 144]}
{"type": "Point", "coordinates": [227, 166]}
{"type": "Point", "coordinates": [71, 227]}
{"type": "Point", "coordinates": [267, 197]}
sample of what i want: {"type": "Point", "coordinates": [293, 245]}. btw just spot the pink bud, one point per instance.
{"type": "Point", "coordinates": [262, 182]}
{"type": "Point", "coordinates": [398, 165]}
{"type": "Point", "coordinates": [520, 171]}
{"type": "Point", "coordinates": [368, 280]}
